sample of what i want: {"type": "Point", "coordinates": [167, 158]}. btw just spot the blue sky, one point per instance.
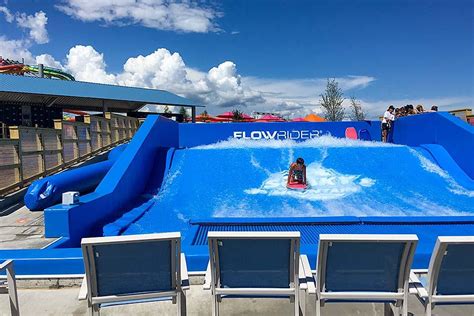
{"type": "Point", "coordinates": [256, 55]}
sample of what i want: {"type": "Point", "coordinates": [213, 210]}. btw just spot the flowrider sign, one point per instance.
{"type": "Point", "coordinates": [279, 135]}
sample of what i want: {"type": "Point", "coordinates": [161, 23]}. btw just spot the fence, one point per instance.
{"type": "Point", "coordinates": [30, 153]}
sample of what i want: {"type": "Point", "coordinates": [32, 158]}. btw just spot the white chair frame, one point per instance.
{"type": "Point", "coordinates": [180, 283]}
{"type": "Point", "coordinates": [401, 296]}
{"type": "Point", "coordinates": [298, 273]}
{"type": "Point", "coordinates": [428, 296]}
{"type": "Point", "coordinates": [10, 287]}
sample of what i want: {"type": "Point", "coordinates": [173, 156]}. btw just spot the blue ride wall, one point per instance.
{"type": "Point", "coordinates": [124, 182]}
{"type": "Point", "coordinates": [443, 129]}
{"type": "Point", "coordinates": [191, 135]}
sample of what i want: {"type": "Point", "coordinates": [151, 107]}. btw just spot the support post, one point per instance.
{"type": "Point", "coordinates": [193, 114]}
{"type": "Point", "coordinates": [41, 70]}
{"type": "Point", "coordinates": [104, 108]}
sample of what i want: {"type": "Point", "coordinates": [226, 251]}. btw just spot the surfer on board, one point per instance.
{"type": "Point", "coordinates": [297, 173]}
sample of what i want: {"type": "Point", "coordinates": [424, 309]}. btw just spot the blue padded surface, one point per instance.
{"type": "Point", "coordinates": [365, 266]}
{"type": "Point", "coordinates": [133, 267]}
{"type": "Point", "coordinates": [456, 275]}
{"type": "Point", "coordinates": [254, 263]}
{"type": "Point", "coordinates": [427, 233]}
{"type": "Point", "coordinates": [309, 232]}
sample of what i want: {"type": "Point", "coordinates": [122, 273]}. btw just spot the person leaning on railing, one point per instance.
{"type": "Point", "coordinates": [388, 118]}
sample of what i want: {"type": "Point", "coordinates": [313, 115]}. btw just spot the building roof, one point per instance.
{"type": "Point", "coordinates": [84, 96]}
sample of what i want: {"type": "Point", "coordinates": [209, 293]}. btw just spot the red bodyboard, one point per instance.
{"type": "Point", "coordinates": [297, 186]}
{"type": "Point", "coordinates": [351, 133]}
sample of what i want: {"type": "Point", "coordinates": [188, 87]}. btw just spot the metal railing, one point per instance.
{"type": "Point", "coordinates": [31, 153]}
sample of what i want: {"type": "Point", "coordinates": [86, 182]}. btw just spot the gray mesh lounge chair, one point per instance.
{"type": "Point", "coordinates": [450, 278]}
{"type": "Point", "coordinates": [133, 269]}
{"type": "Point", "coordinates": [9, 287]}
{"type": "Point", "coordinates": [364, 268]}
{"type": "Point", "coordinates": [255, 264]}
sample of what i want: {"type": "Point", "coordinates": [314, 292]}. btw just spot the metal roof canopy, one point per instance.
{"type": "Point", "coordinates": [85, 96]}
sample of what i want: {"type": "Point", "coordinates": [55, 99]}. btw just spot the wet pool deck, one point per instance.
{"type": "Point", "coordinates": [23, 229]}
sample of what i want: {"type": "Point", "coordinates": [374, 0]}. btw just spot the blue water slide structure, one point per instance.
{"type": "Point", "coordinates": [48, 191]}
{"type": "Point", "coordinates": [196, 178]}
{"type": "Point", "coordinates": [443, 129]}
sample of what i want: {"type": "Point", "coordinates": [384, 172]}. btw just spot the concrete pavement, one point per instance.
{"type": "Point", "coordinates": [64, 301]}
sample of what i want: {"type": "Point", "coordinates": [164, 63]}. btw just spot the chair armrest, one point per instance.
{"type": "Point", "coordinates": [207, 278]}
{"type": "Point", "coordinates": [5, 264]}
{"type": "Point", "coordinates": [415, 286]}
{"type": "Point", "coordinates": [414, 278]}
{"type": "Point", "coordinates": [11, 287]}
{"type": "Point", "coordinates": [310, 284]}
{"type": "Point", "coordinates": [83, 291]}
{"type": "Point", "coordinates": [302, 276]}
{"type": "Point", "coordinates": [184, 273]}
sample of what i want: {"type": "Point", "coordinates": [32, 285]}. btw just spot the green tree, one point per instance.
{"type": "Point", "coordinates": [331, 101]}
{"type": "Point", "coordinates": [237, 115]}
{"type": "Point", "coordinates": [184, 113]}
{"type": "Point", "coordinates": [358, 113]}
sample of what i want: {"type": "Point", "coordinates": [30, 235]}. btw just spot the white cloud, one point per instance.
{"type": "Point", "coordinates": [173, 15]}
{"type": "Point", "coordinates": [220, 87]}
{"type": "Point", "coordinates": [227, 86]}
{"type": "Point", "coordinates": [160, 69]}
{"type": "Point", "coordinates": [298, 97]}
{"type": "Point", "coordinates": [19, 49]}
{"type": "Point", "coordinates": [48, 61]}
{"type": "Point", "coordinates": [223, 87]}
{"type": "Point", "coordinates": [36, 24]}
{"type": "Point", "coordinates": [86, 64]}
{"type": "Point", "coordinates": [8, 16]}
{"type": "Point", "coordinates": [304, 89]}
{"type": "Point", "coordinates": [15, 49]}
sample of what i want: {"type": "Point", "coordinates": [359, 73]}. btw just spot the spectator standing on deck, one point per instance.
{"type": "Point", "coordinates": [409, 109]}
{"type": "Point", "coordinates": [387, 121]}
{"type": "Point", "coordinates": [434, 108]}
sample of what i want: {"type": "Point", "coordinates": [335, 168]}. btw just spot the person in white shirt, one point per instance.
{"type": "Point", "coordinates": [387, 120]}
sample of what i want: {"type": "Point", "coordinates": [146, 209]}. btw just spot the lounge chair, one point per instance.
{"type": "Point", "coordinates": [9, 287]}
{"type": "Point", "coordinates": [364, 268]}
{"type": "Point", "coordinates": [450, 276]}
{"type": "Point", "coordinates": [133, 269]}
{"type": "Point", "coordinates": [255, 264]}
